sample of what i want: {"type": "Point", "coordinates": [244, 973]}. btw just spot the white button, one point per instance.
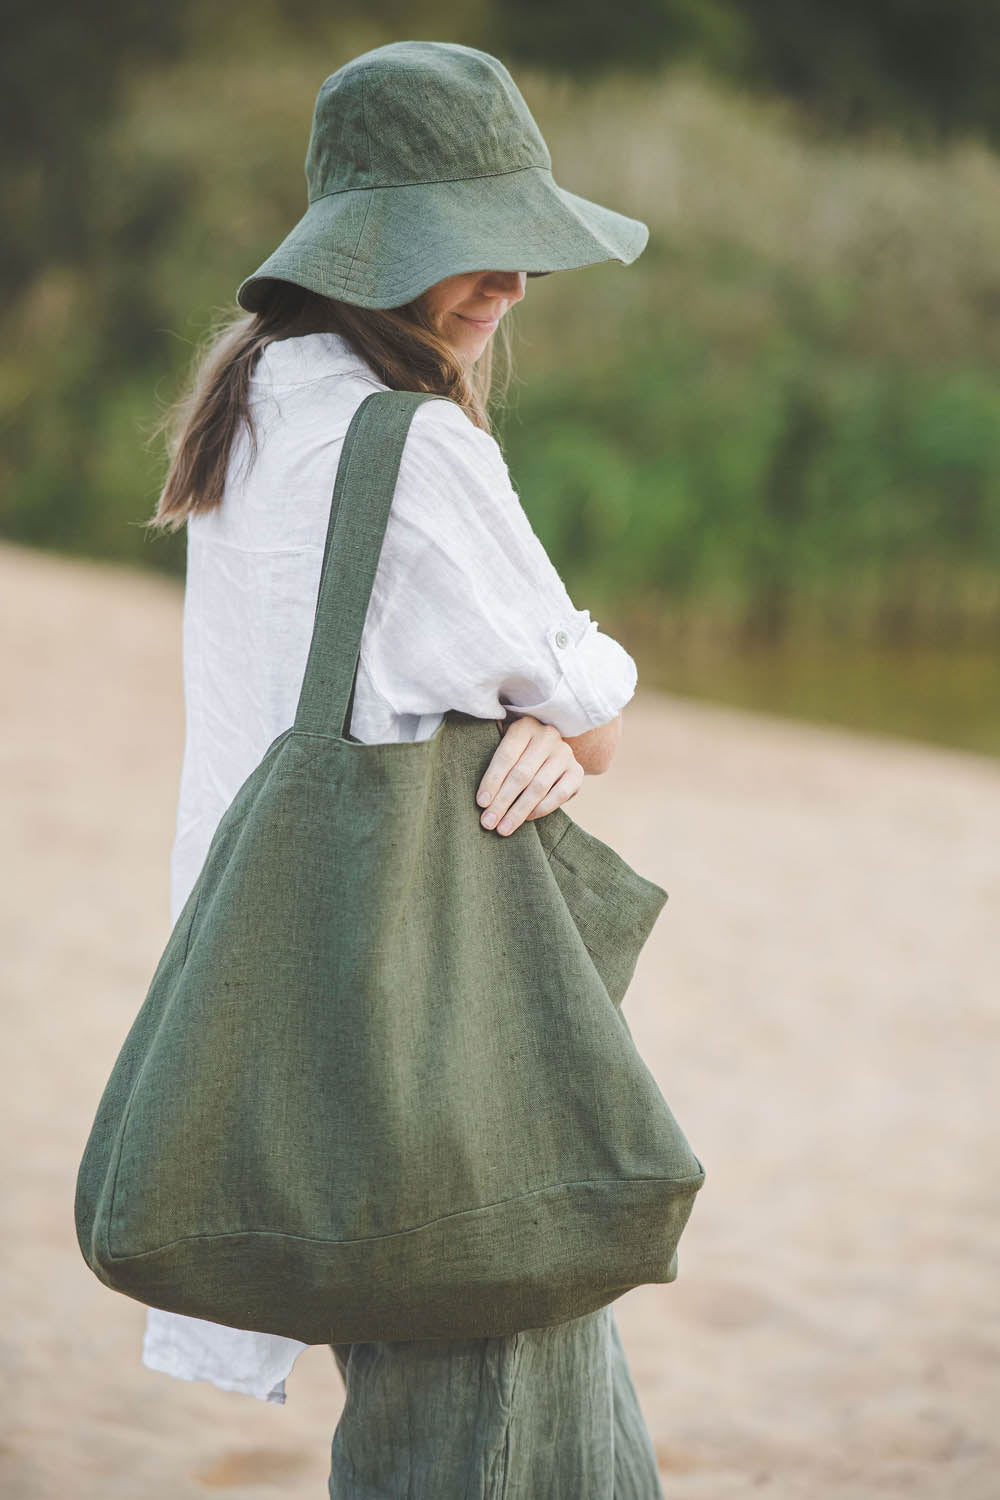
{"type": "Point", "coordinates": [561, 639]}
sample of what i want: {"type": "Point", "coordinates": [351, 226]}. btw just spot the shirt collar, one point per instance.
{"type": "Point", "coordinates": [311, 356]}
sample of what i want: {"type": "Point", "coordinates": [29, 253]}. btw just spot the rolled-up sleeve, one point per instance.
{"type": "Point", "coordinates": [467, 609]}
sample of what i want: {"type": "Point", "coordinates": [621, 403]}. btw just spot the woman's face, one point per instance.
{"type": "Point", "coordinates": [467, 308]}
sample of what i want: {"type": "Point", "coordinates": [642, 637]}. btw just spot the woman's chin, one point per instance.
{"type": "Point", "coordinates": [469, 350]}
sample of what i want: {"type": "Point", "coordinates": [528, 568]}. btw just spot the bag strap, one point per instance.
{"type": "Point", "coordinates": [359, 512]}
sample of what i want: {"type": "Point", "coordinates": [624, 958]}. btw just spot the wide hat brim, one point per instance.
{"type": "Point", "coordinates": [383, 246]}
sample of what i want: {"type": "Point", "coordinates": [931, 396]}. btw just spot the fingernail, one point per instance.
{"type": "Point", "coordinates": [489, 819]}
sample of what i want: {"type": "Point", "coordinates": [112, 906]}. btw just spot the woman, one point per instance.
{"type": "Point", "coordinates": [424, 166]}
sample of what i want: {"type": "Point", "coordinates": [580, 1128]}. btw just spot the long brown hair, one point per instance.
{"type": "Point", "coordinates": [401, 344]}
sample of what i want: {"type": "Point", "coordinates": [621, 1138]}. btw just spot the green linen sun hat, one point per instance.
{"type": "Point", "coordinates": [424, 161]}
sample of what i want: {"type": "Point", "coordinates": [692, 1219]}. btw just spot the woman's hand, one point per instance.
{"type": "Point", "coordinates": [533, 771]}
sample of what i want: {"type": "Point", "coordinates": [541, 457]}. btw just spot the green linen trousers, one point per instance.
{"type": "Point", "coordinates": [547, 1414]}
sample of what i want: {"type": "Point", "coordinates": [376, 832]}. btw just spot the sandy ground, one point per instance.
{"type": "Point", "coordinates": [819, 1003]}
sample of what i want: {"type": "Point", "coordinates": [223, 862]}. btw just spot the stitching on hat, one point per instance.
{"type": "Point", "coordinates": [368, 205]}
{"type": "Point", "coordinates": [428, 182]}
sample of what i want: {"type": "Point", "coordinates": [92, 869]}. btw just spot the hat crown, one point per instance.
{"type": "Point", "coordinates": [413, 112]}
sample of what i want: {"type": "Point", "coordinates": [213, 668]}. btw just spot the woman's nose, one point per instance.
{"type": "Point", "coordinates": [509, 284]}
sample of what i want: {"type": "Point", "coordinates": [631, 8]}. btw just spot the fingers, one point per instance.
{"type": "Point", "coordinates": [567, 786]}
{"type": "Point", "coordinates": [525, 738]}
{"type": "Point", "coordinates": [522, 787]}
{"type": "Point", "coordinates": [561, 791]}
{"type": "Point", "coordinates": [531, 773]}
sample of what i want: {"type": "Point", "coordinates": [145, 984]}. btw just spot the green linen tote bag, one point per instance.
{"type": "Point", "coordinates": [381, 1086]}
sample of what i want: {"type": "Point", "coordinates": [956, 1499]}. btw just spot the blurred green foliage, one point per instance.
{"type": "Point", "coordinates": [783, 498]}
{"type": "Point", "coordinates": [781, 420]}
{"type": "Point", "coordinates": [926, 66]}
{"type": "Point", "coordinates": [61, 69]}
{"type": "Point", "coordinates": [929, 66]}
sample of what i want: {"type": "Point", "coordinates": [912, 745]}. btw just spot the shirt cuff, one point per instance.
{"type": "Point", "coordinates": [597, 678]}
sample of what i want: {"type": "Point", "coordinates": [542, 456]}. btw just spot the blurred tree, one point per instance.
{"type": "Point", "coordinates": [60, 72]}
{"type": "Point", "coordinates": [928, 65]}
{"type": "Point", "coordinates": [583, 38]}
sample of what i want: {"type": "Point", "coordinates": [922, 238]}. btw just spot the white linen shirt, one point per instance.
{"type": "Point", "coordinates": [467, 611]}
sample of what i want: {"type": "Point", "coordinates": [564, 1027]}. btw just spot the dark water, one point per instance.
{"type": "Point", "coordinates": [945, 697]}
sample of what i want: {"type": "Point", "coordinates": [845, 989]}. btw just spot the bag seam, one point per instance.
{"type": "Point", "coordinates": [680, 1183]}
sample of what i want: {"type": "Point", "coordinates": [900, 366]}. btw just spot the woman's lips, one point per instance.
{"type": "Point", "coordinates": [479, 322]}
